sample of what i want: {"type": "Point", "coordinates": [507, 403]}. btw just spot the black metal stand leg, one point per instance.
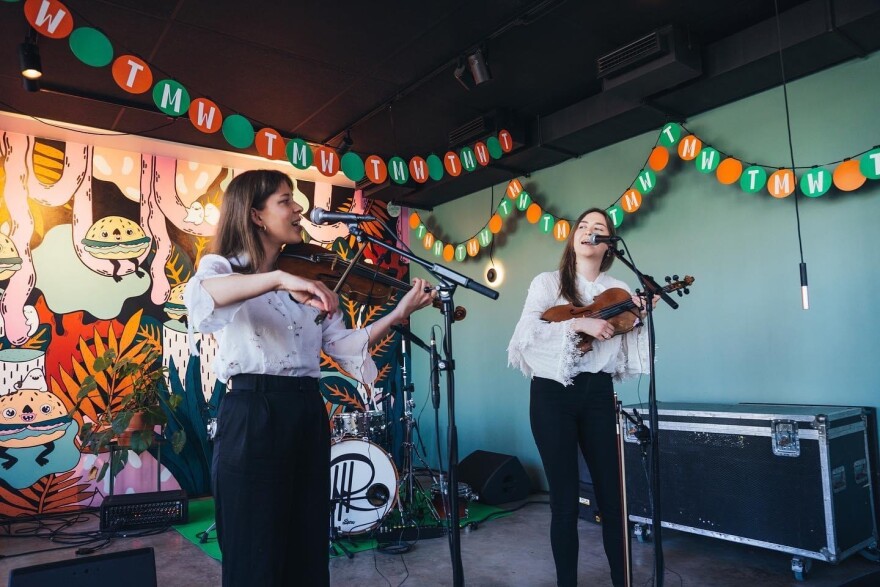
{"type": "Point", "coordinates": [335, 545]}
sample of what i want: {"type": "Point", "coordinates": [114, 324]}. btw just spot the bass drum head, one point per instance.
{"type": "Point", "coordinates": [363, 485]}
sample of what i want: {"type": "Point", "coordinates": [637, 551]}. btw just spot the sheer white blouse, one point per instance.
{"type": "Point", "coordinates": [549, 349]}
{"type": "Point", "coordinates": [271, 333]}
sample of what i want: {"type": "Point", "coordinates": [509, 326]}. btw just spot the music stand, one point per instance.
{"type": "Point", "coordinates": [448, 280]}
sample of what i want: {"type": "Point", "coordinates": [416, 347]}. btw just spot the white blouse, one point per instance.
{"type": "Point", "coordinates": [271, 333]}
{"type": "Point", "coordinates": [549, 349]}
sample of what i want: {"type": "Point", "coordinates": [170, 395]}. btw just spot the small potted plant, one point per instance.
{"type": "Point", "coordinates": [132, 391]}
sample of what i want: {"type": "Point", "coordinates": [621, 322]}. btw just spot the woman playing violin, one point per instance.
{"type": "Point", "coordinates": [271, 460]}
{"type": "Point", "coordinates": [572, 394]}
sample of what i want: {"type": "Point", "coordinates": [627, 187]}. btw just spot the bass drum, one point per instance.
{"type": "Point", "coordinates": [363, 485]}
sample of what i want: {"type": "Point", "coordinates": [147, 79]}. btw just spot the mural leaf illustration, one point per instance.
{"type": "Point", "coordinates": [337, 390]}
{"type": "Point", "coordinates": [381, 347]}
{"type": "Point", "coordinates": [383, 372]}
{"type": "Point", "coordinates": [53, 493]}
{"type": "Point", "coordinates": [109, 393]}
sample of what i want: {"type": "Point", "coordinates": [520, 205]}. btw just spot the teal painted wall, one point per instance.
{"type": "Point", "coordinates": [741, 336]}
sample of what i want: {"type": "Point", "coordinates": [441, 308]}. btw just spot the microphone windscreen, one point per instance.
{"type": "Point", "coordinates": [317, 215]}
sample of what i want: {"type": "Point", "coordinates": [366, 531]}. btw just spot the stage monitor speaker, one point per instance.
{"type": "Point", "coordinates": [495, 477]}
{"type": "Point", "coordinates": [134, 568]}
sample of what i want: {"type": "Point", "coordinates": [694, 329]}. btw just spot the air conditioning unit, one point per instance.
{"type": "Point", "coordinates": [656, 62]}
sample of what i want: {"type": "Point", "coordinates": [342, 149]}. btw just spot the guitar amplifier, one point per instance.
{"type": "Point", "coordinates": [791, 478]}
{"type": "Point", "coordinates": [135, 511]}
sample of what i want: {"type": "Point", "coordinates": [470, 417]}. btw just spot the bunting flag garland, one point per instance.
{"type": "Point", "coordinates": [848, 175]}
{"type": "Point", "coordinates": [54, 20]}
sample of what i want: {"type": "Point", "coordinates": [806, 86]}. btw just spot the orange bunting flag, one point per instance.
{"type": "Point", "coordinates": [132, 74]}
{"type": "Point", "coordinates": [689, 147]}
{"type": "Point", "coordinates": [848, 176]}
{"type": "Point", "coordinates": [781, 183]}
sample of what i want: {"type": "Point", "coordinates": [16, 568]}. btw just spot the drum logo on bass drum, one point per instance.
{"type": "Point", "coordinates": [363, 485]}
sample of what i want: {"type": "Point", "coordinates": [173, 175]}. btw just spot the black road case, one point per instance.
{"type": "Point", "coordinates": [792, 478]}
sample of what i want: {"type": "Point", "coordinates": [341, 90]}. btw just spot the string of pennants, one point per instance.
{"type": "Point", "coordinates": [51, 18]}
{"type": "Point", "coordinates": [848, 174]}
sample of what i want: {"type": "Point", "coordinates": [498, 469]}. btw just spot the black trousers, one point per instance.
{"type": "Point", "coordinates": [271, 482]}
{"type": "Point", "coordinates": [563, 419]}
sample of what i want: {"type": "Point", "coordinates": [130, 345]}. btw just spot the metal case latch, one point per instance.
{"type": "Point", "coordinates": [786, 442]}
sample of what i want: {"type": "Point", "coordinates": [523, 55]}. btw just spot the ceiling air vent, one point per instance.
{"type": "Point", "coordinates": [472, 130]}
{"type": "Point", "coordinates": [655, 63]}
{"type": "Point", "coordinates": [631, 55]}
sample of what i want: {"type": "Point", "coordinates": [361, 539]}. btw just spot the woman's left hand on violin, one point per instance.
{"type": "Point", "coordinates": [639, 301]}
{"type": "Point", "coordinates": [421, 295]}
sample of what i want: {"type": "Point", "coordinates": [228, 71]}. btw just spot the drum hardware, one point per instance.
{"type": "Point", "coordinates": [440, 497]}
{"type": "Point", "coordinates": [335, 543]}
{"type": "Point", "coordinates": [211, 433]}
{"type": "Point", "coordinates": [212, 428]}
{"type": "Point", "coordinates": [409, 484]}
{"type": "Point", "coordinates": [369, 425]}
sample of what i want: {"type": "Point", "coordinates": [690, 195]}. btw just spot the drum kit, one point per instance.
{"type": "Point", "coordinates": [365, 486]}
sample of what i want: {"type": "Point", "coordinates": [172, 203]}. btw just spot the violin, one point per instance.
{"type": "Point", "coordinates": [614, 305]}
{"type": "Point", "coordinates": [364, 284]}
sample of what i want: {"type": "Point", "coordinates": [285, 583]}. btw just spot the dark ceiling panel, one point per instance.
{"type": "Point", "coordinates": [384, 71]}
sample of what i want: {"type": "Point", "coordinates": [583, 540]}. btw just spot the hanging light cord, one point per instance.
{"type": "Point", "coordinates": [797, 213]}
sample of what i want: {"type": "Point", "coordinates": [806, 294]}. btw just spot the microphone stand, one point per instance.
{"type": "Point", "coordinates": [448, 280]}
{"type": "Point", "coordinates": [651, 289]}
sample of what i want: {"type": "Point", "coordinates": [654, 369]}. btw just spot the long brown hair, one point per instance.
{"type": "Point", "coordinates": [236, 233]}
{"type": "Point", "coordinates": [568, 261]}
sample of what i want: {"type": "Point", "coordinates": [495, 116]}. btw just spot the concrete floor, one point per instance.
{"type": "Point", "coordinates": [510, 551]}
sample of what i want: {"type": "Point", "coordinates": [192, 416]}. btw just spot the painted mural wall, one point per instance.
{"type": "Point", "coordinates": [96, 246]}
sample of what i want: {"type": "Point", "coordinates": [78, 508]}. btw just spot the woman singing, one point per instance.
{"type": "Point", "coordinates": [271, 462]}
{"type": "Point", "coordinates": [572, 394]}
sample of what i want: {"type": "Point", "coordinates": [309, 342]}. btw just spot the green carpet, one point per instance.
{"type": "Point", "coordinates": [201, 516]}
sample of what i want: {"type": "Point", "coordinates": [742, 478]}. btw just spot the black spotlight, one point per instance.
{"type": "Point", "coordinates": [29, 59]}
{"type": "Point", "coordinates": [479, 68]}
{"type": "Point", "coordinates": [29, 62]}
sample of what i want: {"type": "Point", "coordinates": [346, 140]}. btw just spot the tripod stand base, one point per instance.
{"type": "Point", "coordinates": [203, 536]}
{"type": "Point", "coordinates": [337, 548]}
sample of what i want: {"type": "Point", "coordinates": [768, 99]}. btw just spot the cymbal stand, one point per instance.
{"type": "Point", "coordinates": [409, 484]}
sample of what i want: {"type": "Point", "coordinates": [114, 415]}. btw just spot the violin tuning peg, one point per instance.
{"type": "Point", "coordinates": [679, 293]}
{"type": "Point", "coordinates": [668, 279]}
{"type": "Point", "coordinates": [686, 291]}
{"type": "Point", "coordinates": [638, 292]}
{"type": "Point", "coordinates": [675, 277]}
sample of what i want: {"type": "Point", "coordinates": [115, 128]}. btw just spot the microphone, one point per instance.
{"type": "Point", "coordinates": [322, 216]}
{"type": "Point", "coordinates": [435, 374]}
{"type": "Point", "coordinates": [595, 239]}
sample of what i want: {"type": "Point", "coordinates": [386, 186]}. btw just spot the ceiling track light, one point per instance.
{"type": "Point", "coordinates": [478, 67]}
{"type": "Point", "coordinates": [345, 146]}
{"type": "Point", "coordinates": [29, 61]}
{"type": "Point", "coordinates": [476, 64]}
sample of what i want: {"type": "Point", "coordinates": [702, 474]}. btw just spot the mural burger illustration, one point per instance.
{"type": "Point", "coordinates": [116, 238]}
{"type": "Point", "coordinates": [10, 262]}
{"type": "Point", "coordinates": [29, 418]}
{"type": "Point", "coordinates": [175, 307]}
